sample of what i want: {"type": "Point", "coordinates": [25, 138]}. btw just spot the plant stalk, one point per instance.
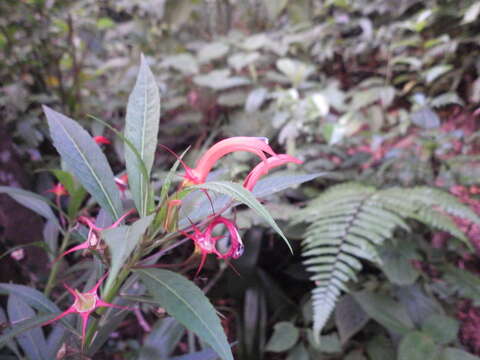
{"type": "Point", "coordinates": [52, 278]}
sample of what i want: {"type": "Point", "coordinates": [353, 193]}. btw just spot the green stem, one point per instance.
{"type": "Point", "coordinates": [53, 274]}
{"type": "Point", "coordinates": [112, 292]}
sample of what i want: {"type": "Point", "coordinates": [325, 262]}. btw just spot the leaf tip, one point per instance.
{"type": "Point", "coordinates": [47, 111]}
{"type": "Point", "coordinates": [289, 245]}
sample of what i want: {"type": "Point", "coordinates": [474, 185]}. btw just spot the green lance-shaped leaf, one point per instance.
{"type": "Point", "coordinates": [23, 326]}
{"type": "Point", "coordinates": [30, 200]}
{"type": "Point", "coordinates": [141, 129]}
{"type": "Point", "coordinates": [186, 302]}
{"type": "Point", "coordinates": [85, 159]}
{"type": "Point", "coordinates": [239, 193]}
{"type": "Point", "coordinates": [122, 241]}
{"type": "Point", "coordinates": [34, 298]}
{"type": "Point", "coordinates": [32, 341]}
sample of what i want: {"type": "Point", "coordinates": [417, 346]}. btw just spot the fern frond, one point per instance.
{"type": "Point", "coordinates": [423, 196]}
{"type": "Point", "coordinates": [348, 221]}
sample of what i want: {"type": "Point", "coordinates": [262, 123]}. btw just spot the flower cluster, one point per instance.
{"type": "Point", "coordinates": [256, 145]}
{"type": "Point", "coordinates": [204, 241]}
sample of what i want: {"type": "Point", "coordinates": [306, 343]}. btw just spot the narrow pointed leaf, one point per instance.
{"type": "Point", "coordinates": [22, 326]}
{"type": "Point", "coordinates": [122, 241]}
{"type": "Point", "coordinates": [168, 179]}
{"type": "Point", "coordinates": [207, 354]}
{"type": "Point", "coordinates": [276, 183]}
{"type": "Point", "coordinates": [31, 296]}
{"type": "Point", "coordinates": [55, 340]}
{"type": "Point", "coordinates": [85, 159]}
{"type": "Point", "coordinates": [244, 196]}
{"type": "Point", "coordinates": [34, 298]}
{"type": "Point", "coordinates": [141, 129]}
{"type": "Point", "coordinates": [12, 345]}
{"type": "Point", "coordinates": [183, 300]}
{"type": "Point", "coordinates": [30, 200]}
{"type": "Point", "coordinates": [32, 341]}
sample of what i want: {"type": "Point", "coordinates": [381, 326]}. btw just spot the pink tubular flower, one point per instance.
{"type": "Point", "coordinates": [58, 190]}
{"type": "Point", "coordinates": [84, 304]}
{"type": "Point", "coordinates": [265, 166]}
{"type": "Point", "coordinates": [102, 140]}
{"type": "Point", "coordinates": [236, 244]}
{"type": "Point", "coordinates": [256, 145]}
{"type": "Point", "coordinates": [93, 237]}
{"type": "Point", "coordinates": [205, 242]}
{"type": "Point", "coordinates": [122, 183]}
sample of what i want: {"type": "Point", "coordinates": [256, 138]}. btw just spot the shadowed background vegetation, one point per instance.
{"type": "Point", "coordinates": [380, 96]}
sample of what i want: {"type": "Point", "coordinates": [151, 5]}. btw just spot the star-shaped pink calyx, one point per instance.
{"type": "Point", "coordinates": [206, 243]}
{"type": "Point", "coordinates": [93, 237]}
{"type": "Point", "coordinates": [85, 304]}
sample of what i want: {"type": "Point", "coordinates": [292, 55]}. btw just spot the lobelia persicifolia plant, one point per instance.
{"type": "Point", "coordinates": [123, 248]}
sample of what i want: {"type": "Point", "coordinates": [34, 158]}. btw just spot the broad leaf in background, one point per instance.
{"type": "Point", "coordinates": [397, 256]}
{"type": "Point", "coordinates": [417, 346]}
{"type": "Point", "coordinates": [441, 328]}
{"type": "Point", "coordinates": [212, 51]}
{"type": "Point", "coordinates": [419, 305]}
{"type": "Point", "coordinates": [275, 8]}
{"type": "Point", "coordinates": [186, 303]}
{"type": "Point", "coordinates": [299, 352]}
{"type": "Point", "coordinates": [32, 341]}
{"type": "Point", "coordinates": [425, 118]}
{"type": "Point", "coordinates": [85, 159]}
{"type": "Point", "coordinates": [285, 336]}
{"type": "Point", "coordinates": [207, 354]}
{"type": "Point", "coordinates": [472, 13]}
{"type": "Point", "coordinates": [457, 354]}
{"type": "Point", "coordinates": [466, 283]}
{"type": "Point", "coordinates": [385, 310]}
{"type": "Point", "coordinates": [380, 348]}
{"type": "Point", "coordinates": [141, 129]}
{"type": "Point", "coordinates": [162, 340]}
{"type": "Point", "coordinates": [255, 99]}
{"type": "Point", "coordinates": [239, 193]}
{"type": "Point", "coordinates": [349, 318]}
{"type": "Point", "coordinates": [121, 241]}
{"type": "Point", "coordinates": [296, 71]}
{"type": "Point", "coordinates": [30, 200]}
{"type": "Point", "coordinates": [184, 63]}
{"type": "Point", "coordinates": [220, 80]}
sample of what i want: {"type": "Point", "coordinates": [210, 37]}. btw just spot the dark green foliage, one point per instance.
{"type": "Point", "coordinates": [348, 222]}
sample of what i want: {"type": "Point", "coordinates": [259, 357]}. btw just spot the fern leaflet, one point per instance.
{"type": "Point", "coordinates": [347, 222]}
